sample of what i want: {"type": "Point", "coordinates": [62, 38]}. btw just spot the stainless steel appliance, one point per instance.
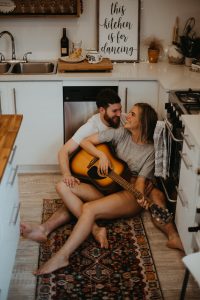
{"type": "Point", "coordinates": [180, 102]}
{"type": "Point", "coordinates": [79, 104]}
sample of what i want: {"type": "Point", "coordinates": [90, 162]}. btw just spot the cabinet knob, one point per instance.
{"type": "Point", "coordinates": [194, 229]}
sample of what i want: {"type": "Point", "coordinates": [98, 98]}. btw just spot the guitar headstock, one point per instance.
{"type": "Point", "coordinates": [161, 215]}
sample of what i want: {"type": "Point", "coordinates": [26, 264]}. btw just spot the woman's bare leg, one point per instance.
{"type": "Point", "coordinates": [169, 229]}
{"type": "Point", "coordinates": [109, 207]}
{"type": "Point", "coordinates": [73, 199]}
{"type": "Point", "coordinates": [40, 232]}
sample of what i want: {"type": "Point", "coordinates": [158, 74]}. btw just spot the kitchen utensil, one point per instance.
{"type": "Point", "coordinates": [189, 25]}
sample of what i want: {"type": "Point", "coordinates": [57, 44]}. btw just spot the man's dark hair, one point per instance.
{"type": "Point", "coordinates": [148, 117]}
{"type": "Point", "coordinates": [106, 97]}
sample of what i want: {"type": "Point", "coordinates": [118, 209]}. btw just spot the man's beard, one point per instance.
{"type": "Point", "coordinates": [113, 122]}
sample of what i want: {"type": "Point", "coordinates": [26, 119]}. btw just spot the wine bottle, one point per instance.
{"type": "Point", "coordinates": [64, 43]}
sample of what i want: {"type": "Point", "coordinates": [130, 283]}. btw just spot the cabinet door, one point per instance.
{"type": "Point", "coordinates": [188, 190]}
{"type": "Point", "coordinates": [41, 133]}
{"type": "Point", "coordinates": [7, 98]}
{"type": "Point", "coordinates": [9, 225]}
{"type": "Point", "coordinates": [132, 92]}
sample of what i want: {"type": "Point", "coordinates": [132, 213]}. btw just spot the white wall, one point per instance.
{"type": "Point", "coordinates": [41, 35]}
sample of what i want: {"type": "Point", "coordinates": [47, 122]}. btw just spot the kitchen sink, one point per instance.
{"type": "Point", "coordinates": [33, 68]}
{"type": "Point", "coordinates": [4, 67]}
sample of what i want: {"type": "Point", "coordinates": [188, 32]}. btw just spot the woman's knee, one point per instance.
{"type": "Point", "coordinates": [89, 209]}
{"type": "Point", "coordinates": [61, 187]}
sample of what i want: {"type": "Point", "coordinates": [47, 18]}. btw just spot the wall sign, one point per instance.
{"type": "Point", "coordinates": [118, 29]}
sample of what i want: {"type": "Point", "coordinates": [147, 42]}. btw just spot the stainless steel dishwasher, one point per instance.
{"type": "Point", "coordinates": [79, 105]}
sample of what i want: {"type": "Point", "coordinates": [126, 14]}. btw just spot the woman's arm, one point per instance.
{"type": "Point", "coordinates": [88, 144]}
{"type": "Point", "coordinates": [140, 186]}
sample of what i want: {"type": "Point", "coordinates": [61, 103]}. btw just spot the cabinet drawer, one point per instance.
{"type": "Point", "coordinates": [183, 220]}
{"type": "Point", "coordinates": [190, 149]}
{"type": "Point", "coordinates": [188, 183]}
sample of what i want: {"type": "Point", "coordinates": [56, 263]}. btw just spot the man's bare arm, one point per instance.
{"type": "Point", "coordinates": [63, 158]}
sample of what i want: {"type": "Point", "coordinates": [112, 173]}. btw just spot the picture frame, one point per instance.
{"type": "Point", "coordinates": [118, 29]}
{"type": "Point", "coordinates": [37, 8]}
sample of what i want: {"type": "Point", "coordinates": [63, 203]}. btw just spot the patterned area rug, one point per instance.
{"type": "Point", "coordinates": [124, 271]}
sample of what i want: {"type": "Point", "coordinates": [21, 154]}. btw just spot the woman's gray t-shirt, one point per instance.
{"type": "Point", "coordinates": [139, 158]}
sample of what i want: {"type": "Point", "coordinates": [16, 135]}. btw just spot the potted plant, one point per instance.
{"type": "Point", "coordinates": [190, 48]}
{"type": "Point", "coordinates": [155, 47]}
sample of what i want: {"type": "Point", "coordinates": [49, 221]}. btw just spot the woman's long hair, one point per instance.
{"type": "Point", "coordinates": [148, 118]}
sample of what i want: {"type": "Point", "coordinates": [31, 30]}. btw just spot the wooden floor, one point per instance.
{"type": "Point", "coordinates": [33, 189]}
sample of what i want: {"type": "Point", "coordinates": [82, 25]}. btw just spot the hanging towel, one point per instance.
{"type": "Point", "coordinates": [162, 150]}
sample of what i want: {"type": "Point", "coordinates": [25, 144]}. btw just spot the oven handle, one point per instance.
{"type": "Point", "coordinates": [181, 197]}
{"type": "Point", "coordinates": [185, 138]}
{"type": "Point", "coordinates": [186, 161]}
{"type": "Point", "coordinates": [171, 133]}
{"type": "Point", "coordinates": [166, 193]}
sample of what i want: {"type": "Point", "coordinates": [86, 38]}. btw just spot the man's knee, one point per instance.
{"type": "Point", "coordinates": [158, 197]}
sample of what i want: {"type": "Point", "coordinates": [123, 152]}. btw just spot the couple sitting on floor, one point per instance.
{"type": "Point", "coordinates": [132, 138]}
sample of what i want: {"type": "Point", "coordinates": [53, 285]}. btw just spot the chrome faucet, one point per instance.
{"type": "Point", "coordinates": [12, 40]}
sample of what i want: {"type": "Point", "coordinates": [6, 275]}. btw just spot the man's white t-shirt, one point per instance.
{"type": "Point", "coordinates": [93, 125]}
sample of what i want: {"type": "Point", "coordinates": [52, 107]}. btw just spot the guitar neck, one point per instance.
{"type": "Point", "coordinates": [126, 185]}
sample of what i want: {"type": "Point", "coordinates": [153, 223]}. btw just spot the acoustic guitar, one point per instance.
{"type": "Point", "coordinates": [85, 166]}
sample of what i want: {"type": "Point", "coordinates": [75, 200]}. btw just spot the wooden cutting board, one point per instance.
{"type": "Point", "coordinates": [104, 65]}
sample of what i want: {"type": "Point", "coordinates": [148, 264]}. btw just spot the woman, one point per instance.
{"type": "Point", "coordinates": [134, 145]}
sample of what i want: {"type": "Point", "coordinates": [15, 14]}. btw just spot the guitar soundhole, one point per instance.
{"type": "Point", "coordinates": [93, 173]}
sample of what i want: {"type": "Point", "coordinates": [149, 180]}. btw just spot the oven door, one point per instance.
{"type": "Point", "coordinates": [170, 184]}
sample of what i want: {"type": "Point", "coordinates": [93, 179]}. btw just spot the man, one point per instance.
{"type": "Point", "coordinates": [109, 107]}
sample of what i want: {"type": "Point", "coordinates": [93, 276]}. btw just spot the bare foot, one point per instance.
{"type": "Point", "coordinates": [57, 261]}
{"type": "Point", "coordinates": [33, 232]}
{"type": "Point", "coordinates": [174, 242]}
{"type": "Point", "coordinates": [100, 236]}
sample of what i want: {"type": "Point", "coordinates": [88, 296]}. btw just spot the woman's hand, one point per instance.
{"type": "Point", "coordinates": [70, 180]}
{"type": "Point", "coordinates": [143, 202]}
{"type": "Point", "coordinates": [104, 164]}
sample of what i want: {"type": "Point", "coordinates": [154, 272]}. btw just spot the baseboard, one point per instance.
{"type": "Point", "coordinates": [38, 169]}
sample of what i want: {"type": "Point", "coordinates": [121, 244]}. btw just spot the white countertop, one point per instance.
{"type": "Point", "coordinates": [171, 77]}
{"type": "Point", "coordinates": [193, 124]}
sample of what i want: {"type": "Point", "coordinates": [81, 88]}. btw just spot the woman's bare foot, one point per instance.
{"type": "Point", "coordinates": [174, 242]}
{"type": "Point", "coordinates": [100, 236]}
{"type": "Point", "coordinates": [56, 262]}
{"type": "Point", "coordinates": [33, 232]}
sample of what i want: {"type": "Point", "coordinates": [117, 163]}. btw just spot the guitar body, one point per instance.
{"type": "Point", "coordinates": [81, 160]}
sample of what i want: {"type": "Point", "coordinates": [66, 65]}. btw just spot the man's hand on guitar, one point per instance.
{"type": "Point", "coordinates": [104, 164]}
{"type": "Point", "coordinates": [70, 180]}
{"type": "Point", "coordinates": [143, 203]}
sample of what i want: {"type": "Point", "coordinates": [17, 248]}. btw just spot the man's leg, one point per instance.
{"type": "Point", "coordinates": [169, 229]}
{"type": "Point", "coordinates": [39, 233]}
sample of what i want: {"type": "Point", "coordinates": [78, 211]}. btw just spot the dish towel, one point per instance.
{"type": "Point", "coordinates": [162, 145]}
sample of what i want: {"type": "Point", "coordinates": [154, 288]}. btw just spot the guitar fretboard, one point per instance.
{"type": "Point", "coordinates": [126, 185]}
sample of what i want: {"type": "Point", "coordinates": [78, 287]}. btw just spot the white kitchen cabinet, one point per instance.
{"type": "Point", "coordinates": [132, 92]}
{"type": "Point", "coordinates": [188, 202]}
{"type": "Point", "coordinates": [9, 225]}
{"type": "Point", "coordinates": [41, 133]}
